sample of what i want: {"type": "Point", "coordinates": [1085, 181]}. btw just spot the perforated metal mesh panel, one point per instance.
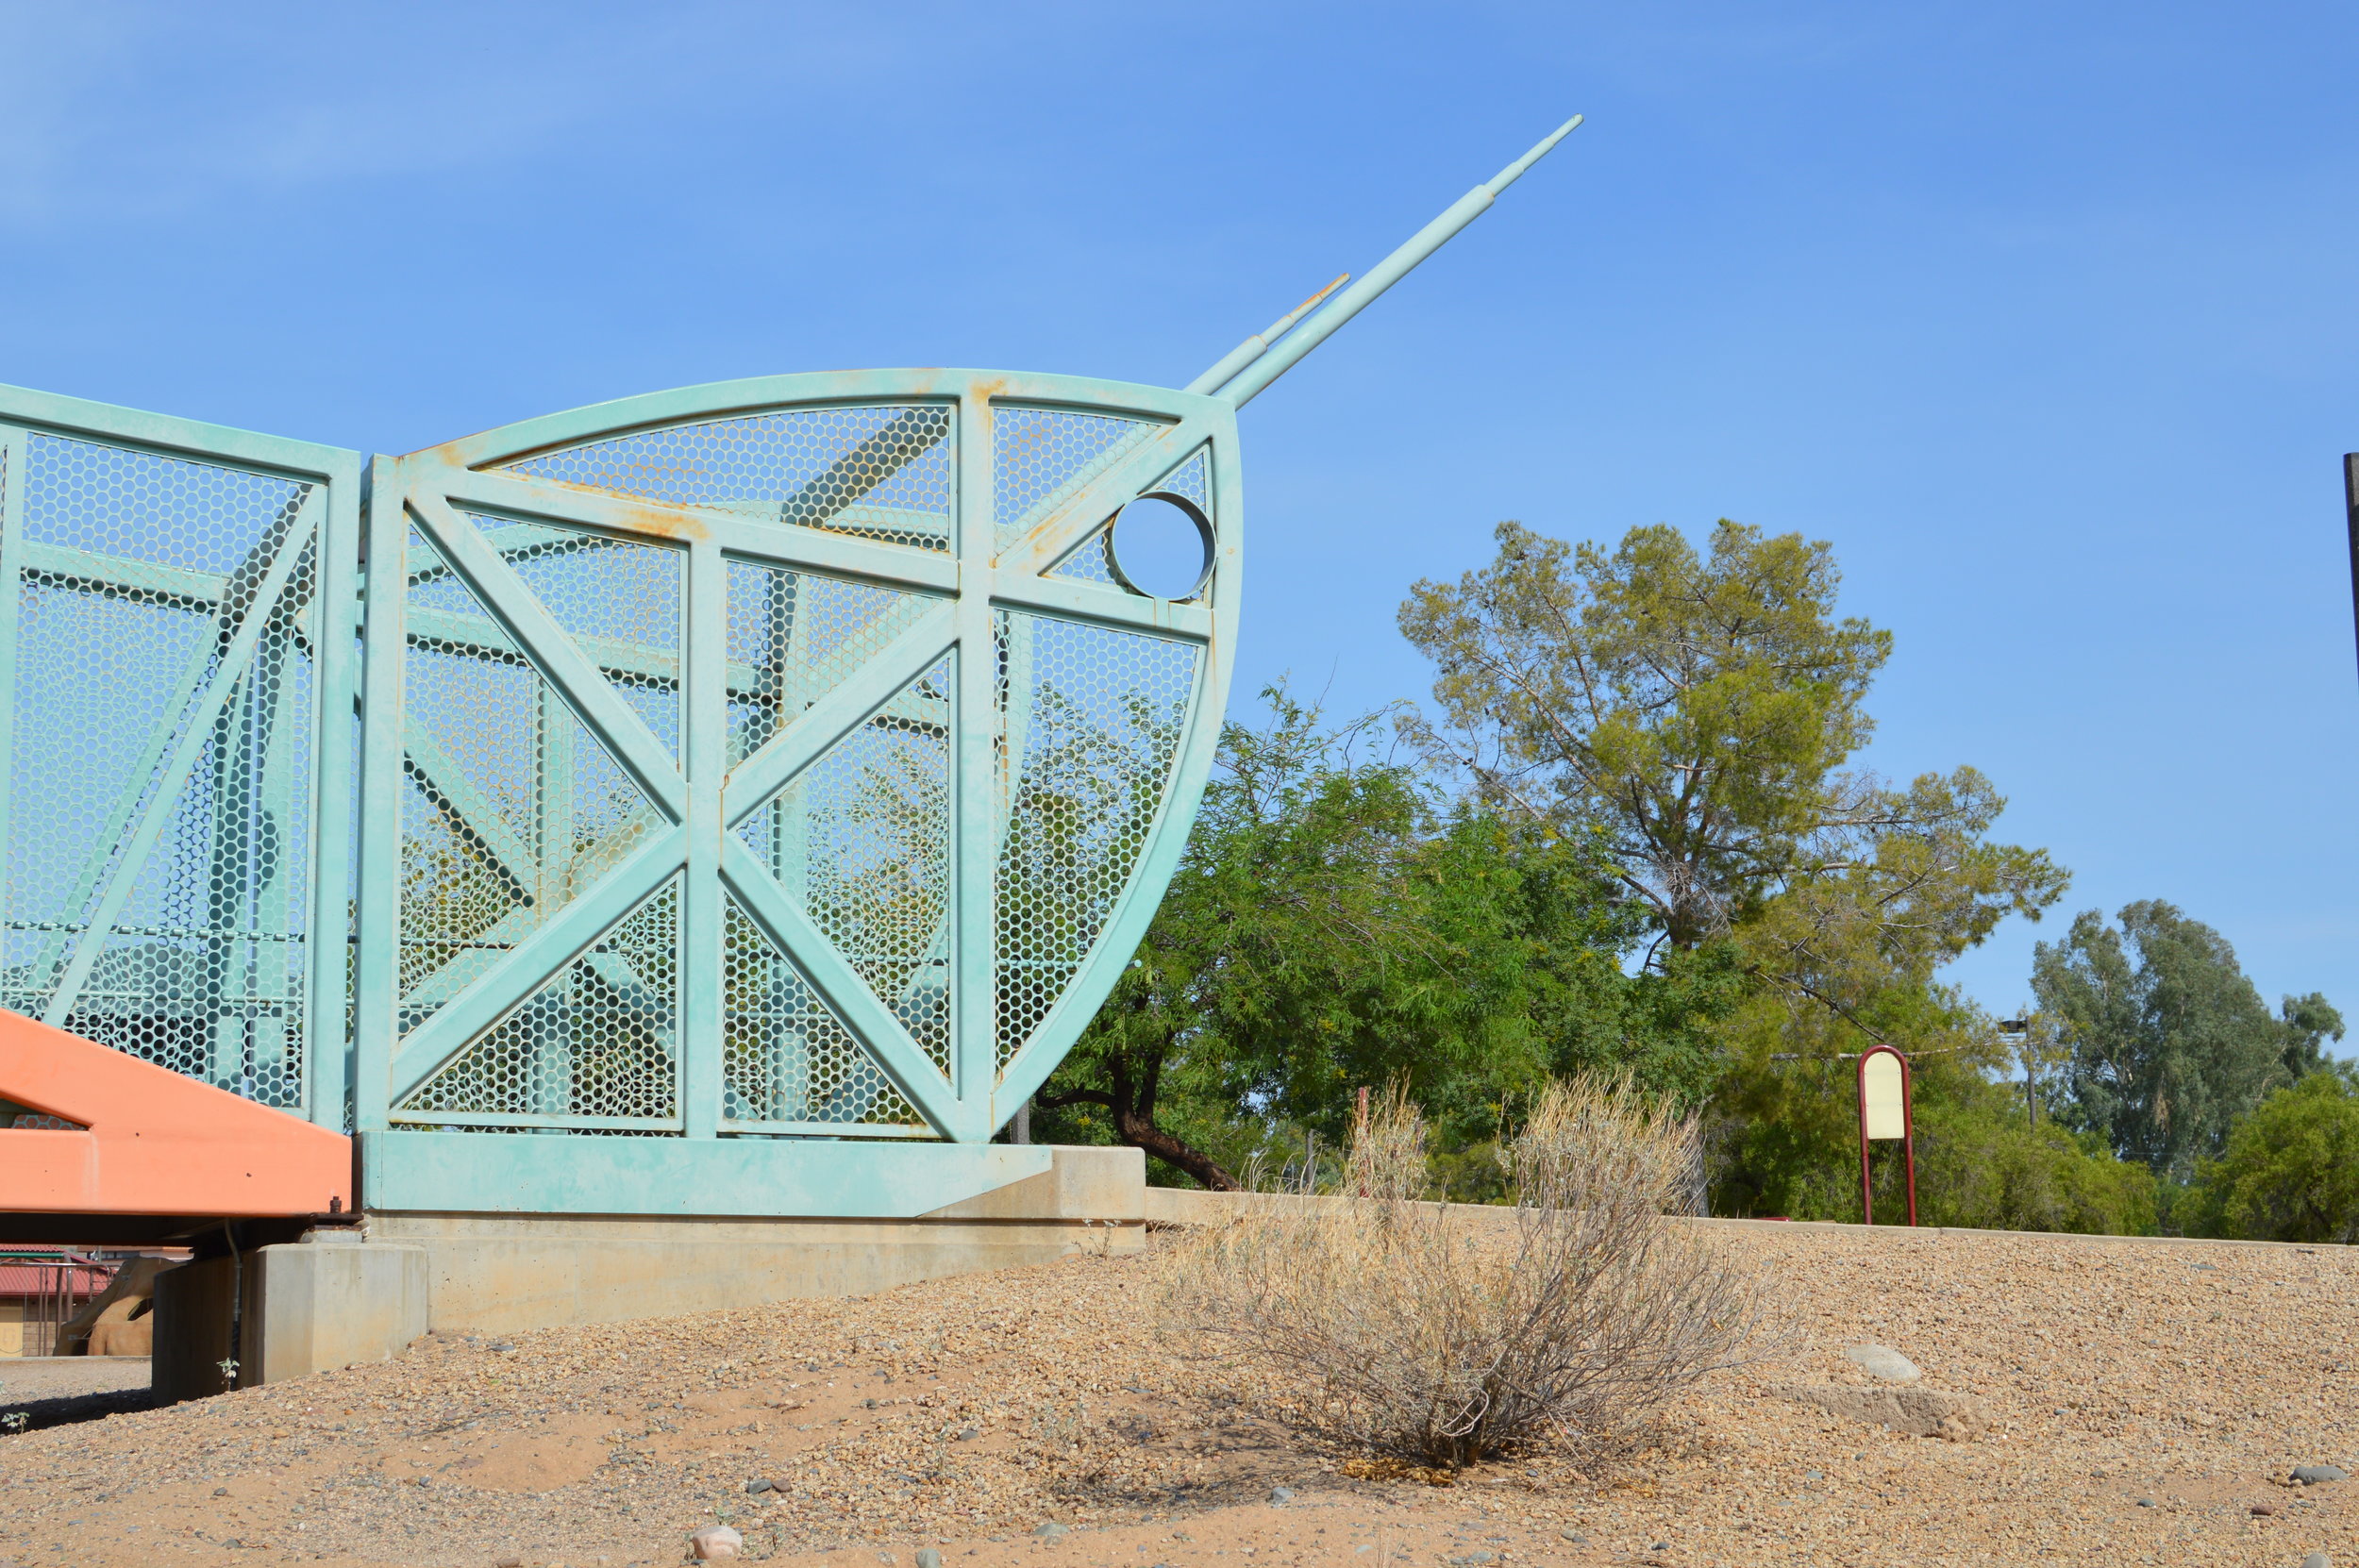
{"type": "Point", "coordinates": [598, 1042]}
{"type": "Point", "coordinates": [619, 600]}
{"type": "Point", "coordinates": [159, 787]}
{"type": "Point", "coordinates": [795, 636]}
{"type": "Point", "coordinates": [791, 1061]}
{"type": "Point", "coordinates": [510, 808]}
{"type": "Point", "coordinates": [861, 839]}
{"type": "Point", "coordinates": [837, 950]}
{"type": "Point", "coordinates": [164, 591]}
{"type": "Point", "coordinates": [879, 471]}
{"type": "Point", "coordinates": [1192, 480]}
{"type": "Point", "coordinates": [1041, 457]}
{"type": "Point", "coordinates": [1093, 723]}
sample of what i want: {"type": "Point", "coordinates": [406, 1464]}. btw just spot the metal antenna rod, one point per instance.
{"type": "Point", "coordinates": [1258, 345]}
{"type": "Point", "coordinates": [1258, 374]}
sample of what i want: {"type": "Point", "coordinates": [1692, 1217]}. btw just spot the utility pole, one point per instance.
{"type": "Point", "coordinates": [2018, 1032]}
{"type": "Point", "coordinates": [2351, 519]}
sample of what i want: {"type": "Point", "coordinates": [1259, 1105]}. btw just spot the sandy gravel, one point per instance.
{"type": "Point", "coordinates": [63, 1377]}
{"type": "Point", "coordinates": [962, 1414]}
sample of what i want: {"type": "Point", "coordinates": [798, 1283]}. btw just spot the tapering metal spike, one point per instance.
{"type": "Point", "coordinates": [1248, 382]}
{"type": "Point", "coordinates": [1258, 345]}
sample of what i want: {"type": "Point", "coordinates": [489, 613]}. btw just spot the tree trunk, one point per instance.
{"type": "Point", "coordinates": [1130, 1097]}
{"type": "Point", "coordinates": [1141, 1132]}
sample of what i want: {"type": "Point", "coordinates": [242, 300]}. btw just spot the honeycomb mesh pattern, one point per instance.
{"type": "Point", "coordinates": [860, 840]}
{"type": "Point", "coordinates": [17, 1118]}
{"type": "Point", "coordinates": [1088, 563]}
{"type": "Point", "coordinates": [795, 636]}
{"type": "Point", "coordinates": [598, 1041]}
{"type": "Point", "coordinates": [619, 600]}
{"type": "Point", "coordinates": [139, 571]}
{"type": "Point", "coordinates": [881, 471]}
{"type": "Point", "coordinates": [1041, 456]}
{"type": "Point", "coordinates": [791, 1060]}
{"type": "Point", "coordinates": [1093, 721]}
{"type": "Point", "coordinates": [1191, 479]}
{"type": "Point", "coordinates": [510, 809]}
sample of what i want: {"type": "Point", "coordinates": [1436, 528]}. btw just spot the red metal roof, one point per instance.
{"type": "Point", "coordinates": [19, 1278]}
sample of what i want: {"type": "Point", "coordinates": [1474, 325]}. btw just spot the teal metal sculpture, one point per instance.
{"type": "Point", "coordinates": [758, 786]}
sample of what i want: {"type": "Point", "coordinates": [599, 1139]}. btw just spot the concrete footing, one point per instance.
{"type": "Point", "coordinates": [362, 1293]}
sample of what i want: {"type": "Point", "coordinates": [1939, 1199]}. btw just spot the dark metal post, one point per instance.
{"type": "Point", "coordinates": [1866, 1175]}
{"type": "Point", "coordinates": [2350, 517]}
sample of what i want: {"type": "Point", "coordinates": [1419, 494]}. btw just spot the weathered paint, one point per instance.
{"type": "Point", "coordinates": [972, 580]}
{"type": "Point", "coordinates": [694, 1161]}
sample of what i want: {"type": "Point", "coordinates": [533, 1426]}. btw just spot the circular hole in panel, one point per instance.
{"type": "Point", "coordinates": [1161, 547]}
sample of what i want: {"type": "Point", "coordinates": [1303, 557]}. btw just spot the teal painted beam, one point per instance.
{"type": "Point", "coordinates": [516, 974]}
{"type": "Point", "coordinates": [522, 1174]}
{"type": "Point", "coordinates": [703, 903]}
{"type": "Point", "coordinates": [1053, 538]}
{"type": "Point", "coordinates": [588, 694]}
{"type": "Point", "coordinates": [844, 710]}
{"type": "Point", "coordinates": [841, 987]}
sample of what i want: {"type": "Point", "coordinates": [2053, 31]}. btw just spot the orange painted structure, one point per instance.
{"type": "Point", "coordinates": [144, 1141]}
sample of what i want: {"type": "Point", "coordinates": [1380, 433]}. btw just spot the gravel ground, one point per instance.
{"type": "Point", "coordinates": [2145, 1403]}
{"type": "Point", "coordinates": [53, 1376]}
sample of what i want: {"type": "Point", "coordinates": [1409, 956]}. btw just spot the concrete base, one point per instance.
{"type": "Point", "coordinates": [340, 1296]}
{"type": "Point", "coordinates": [329, 1300]}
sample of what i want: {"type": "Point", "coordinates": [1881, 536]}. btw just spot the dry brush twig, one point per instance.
{"type": "Point", "coordinates": [1449, 1335]}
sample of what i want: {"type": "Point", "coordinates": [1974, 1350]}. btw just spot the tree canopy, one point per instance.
{"type": "Point", "coordinates": [1692, 708]}
{"type": "Point", "coordinates": [1630, 838]}
{"type": "Point", "coordinates": [2289, 1171]}
{"type": "Point", "coordinates": [2168, 1043]}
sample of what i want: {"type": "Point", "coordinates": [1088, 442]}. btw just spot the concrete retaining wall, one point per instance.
{"type": "Point", "coordinates": [343, 1295]}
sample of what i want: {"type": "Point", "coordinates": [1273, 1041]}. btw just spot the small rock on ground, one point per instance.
{"type": "Point", "coordinates": [1281, 1495]}
{"type": "Point", "coordinates": [1883, 1361]}
{"type": "Point", "coordinates": [2318, 1560]}
{"type": "Point", "coordinates": [1919, 1412]}
{"type": "Point", "coordinates": [716, 1543]}
{"type": "Point", "coordinates": [2311, 1475]}
{"type": "Point", "coordinates": [929, 1557]}
{"type": "Point", "coordinates": [1052, 1532]}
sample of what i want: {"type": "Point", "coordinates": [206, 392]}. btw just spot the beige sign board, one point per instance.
{"type": "Point", "coordinates": [1880, 1085]}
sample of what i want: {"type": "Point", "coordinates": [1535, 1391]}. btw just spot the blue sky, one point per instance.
{"type": "Point", "coordinates": [2043, 314]}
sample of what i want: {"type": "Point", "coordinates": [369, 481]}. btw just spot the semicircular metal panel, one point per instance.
{"type": "Point", "coordinates": [776, 757]}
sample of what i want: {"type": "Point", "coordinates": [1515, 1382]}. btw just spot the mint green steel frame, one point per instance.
{"type": "Point", "coordinates": [700, 800]}
{"type": "Point", "coordinates": [331, 516]}
{"type": "Point", "coordinates": [707, 1166]}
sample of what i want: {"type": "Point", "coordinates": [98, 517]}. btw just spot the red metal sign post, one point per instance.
{"type": "Point", "coordinates": [1884, 1114]}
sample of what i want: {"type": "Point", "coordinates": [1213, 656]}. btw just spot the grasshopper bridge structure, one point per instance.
{"type": "Point", "coordinates": [667, 840]}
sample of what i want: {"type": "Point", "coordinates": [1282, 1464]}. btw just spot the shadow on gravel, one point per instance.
{"type": "Point", "coordinates": [66, 1409]}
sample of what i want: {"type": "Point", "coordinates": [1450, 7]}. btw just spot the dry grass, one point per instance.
{"type": "Point", "coordinates": [1425, 1330]}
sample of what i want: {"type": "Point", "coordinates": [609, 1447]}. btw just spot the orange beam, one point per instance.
{"type": "Point", "coordinates": [156, 1143]}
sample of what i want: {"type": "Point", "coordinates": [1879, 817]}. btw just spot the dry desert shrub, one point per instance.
{"type": "Point", "coordinates": [1449, 1334]}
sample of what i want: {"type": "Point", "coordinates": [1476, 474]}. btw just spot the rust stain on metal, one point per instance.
{"type": "Point", "coordinates": [1054, 521]}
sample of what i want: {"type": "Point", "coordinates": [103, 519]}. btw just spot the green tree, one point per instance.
{"type": "Point", "coordinates": [1981, 1163]}
{"type": "Point", "coordinates": [1697, 709]}
{"type": "Point", "coordinates": [2290, 1171]}
{"type": "Point", "coordinates": [1334, 923]}
{"type": "Point", "coordinates": [1693, 709]}
{"type": "Point", "coordinates": [2169, 1043]}
{"type": "Point", "coordinates": [1696, 712]}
